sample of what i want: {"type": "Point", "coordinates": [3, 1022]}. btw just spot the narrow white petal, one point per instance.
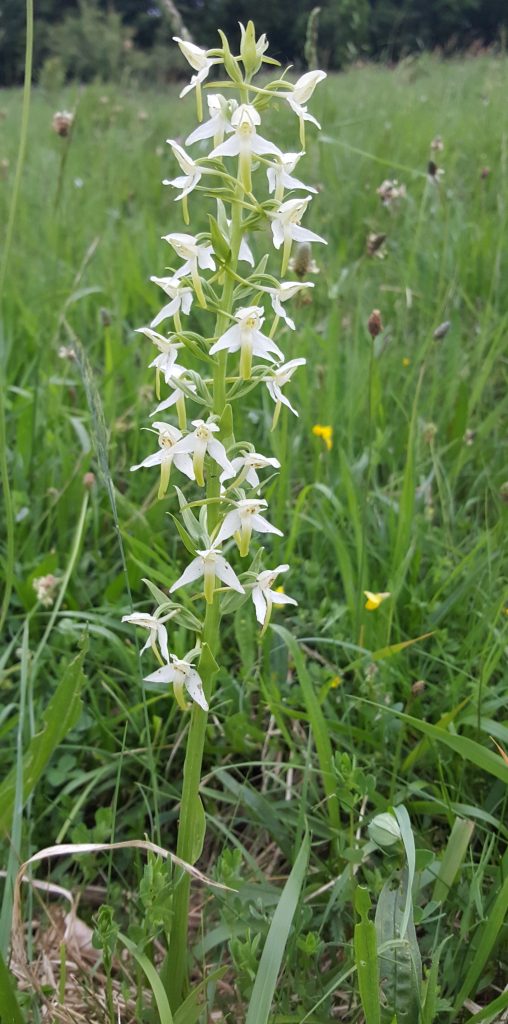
{"type": "Point", "coordinates": [280, 598]}
{"type": "Point", "coordinates": [184, 464]}
{"type": "Point", "coordinates": [165, 312]}
{"type": "Point", "coordinates": [194, 687]}
{"type": "Point", "coordinates": [162, 636]}
{"type": "Point", "coordinates": [259, 604]}
{"type": "Point", "coordinates": [166, 674]}
{"type": "Point", "coordinates": [304, 235]}
{"type": "Point", "coordinates": [262, 525]}
{"type": "Point", "coordinates": [231, 147]}
{"type": "Point", "coordinates": [189, 575]}
{"type": "Point", "coordinates": [230, 526]}
{"type": "Point", "coordinates": [218, 453]}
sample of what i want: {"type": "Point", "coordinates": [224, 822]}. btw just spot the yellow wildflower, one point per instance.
{"type": "Point", "coordinates": [374, 600]}
{"type": "Point", "coordinates": [335, 682]}
{"type": "Point", "coordinates": [326, 433]}
{"type": "Point", "coordinates": [406, 361]}
{"type": "Point", "coordinates": [280, 590]}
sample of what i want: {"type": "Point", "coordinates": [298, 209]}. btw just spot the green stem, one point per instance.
{"type": "Point", "coordinates": [174, 972]}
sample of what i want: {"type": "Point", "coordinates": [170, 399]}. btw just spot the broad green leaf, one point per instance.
{"type": "Point", "coordinates": [278, 934]}
{"type": "Point", "coordinates": [400, 965]}
{"type": "Point", "coordinates": [60, 716]}
{"type": "Point", "coordinates": [456, 848]}
{"type": "Point", "coordinates": [366, 959]}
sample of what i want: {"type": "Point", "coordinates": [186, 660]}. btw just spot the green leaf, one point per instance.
{"type": "Point", "coordinates": [367, 967]}
{"type": "Point", "coordinates": [60, 716]}
{"type": "Point", "coordinates": [406, 834]}
{"type": "Point", "coordinates": [10, 1012]}
{"type": "Point", "coordinates": [273, 951]}
{"type": "Point", "coordinates": [220, 244]}
{"type": "Point", "coordinates": [430, 987]}
{"type": "Point", "coordinates": [159, 993]}
{"type": "Point", "coordinates": [318, 725]}
{"type": "Point", "coordinates": [483, 945]}
{"type": "Point", "coordinates": [400, 965]}
{"type": "Point", "coordinates": [184, 536]}
{"type": "Point", "coordinates": [456, 850]}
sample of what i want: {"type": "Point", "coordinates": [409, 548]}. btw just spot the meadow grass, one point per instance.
{"type": "Point", "coordinates": [342, 712]}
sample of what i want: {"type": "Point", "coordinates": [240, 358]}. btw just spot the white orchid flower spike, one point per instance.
{"type": "Point", "coordinates": [246, 465]}
{"type": "Point", "coordinates": [286, 227]}
{"type": "Point", "coordinates": [276, 381]}
{"type": "Point", "coordinates": [187, 181]}
{"type": "Point", "coordinates": [285, 291]}
{"type": "Point", "coordinates": [264, 596]}
{"type": "Point", "coordinates": [242, 521]}
{"type": "Point", "coordinates": [196, 257]}
{"type": "Point", "coordinates": [245, 336]}
{"type": "Point", "coordinates": [200, 442]}
{"type": "Point", "coordinates": [183, 676]}
{"type": "Point", "coordinates": [168, 349]}
{"type": "Point", "coordinates": [300, 94]}
{"type": "Point", "coordinates": [245, 142]}
{"type": "Point", "coordinates": [200, 62]}
{"type": "Point", "coordinates": [167, 455]}
{"type": "Point", "coordinates": [157, 630]}
{"type": "Point", "coordinates": [209, 564]}
{"type": "Point", "coordinates": [219, 123]}
{"type": "Point", "coordinates": [181, 300]}
{"type": "Point", "coordinates": [280, 176]}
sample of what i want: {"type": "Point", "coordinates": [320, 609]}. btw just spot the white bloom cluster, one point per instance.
{"type": "Point", "coordinates": [241, 353]}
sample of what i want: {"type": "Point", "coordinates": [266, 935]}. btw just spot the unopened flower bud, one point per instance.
{"type": "Point", "coordinates": [384, 830]}
{"type": "Point", "coordinates": [485, 173]}
{"type": "Point", "coordinates": [89, 481]}
{"type": "Point", "coordinates": [374, 244]}
{"type": "Point", "coordinates": [62, 123]}
{"type": "Point", "coordinates": [429, 432]}
{"type": "Point", "coordinates": [469, 437]}
{"type": "Point", "coordinates": [418, 687]}
{"type": "Point", "coordinates": [302, 262]}
{"type": "Point", "coordinates": [437, 144]}
{"type": "Point", "coordinates": [441, 331]}
{"type": "Point", "coordinates": [374, 323]}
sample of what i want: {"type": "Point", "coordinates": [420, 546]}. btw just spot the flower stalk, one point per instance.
{"type": "Point", "coordinates": [220, 528]}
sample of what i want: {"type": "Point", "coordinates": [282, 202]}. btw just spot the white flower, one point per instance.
{"type": "Point", "coordinates": [201, 441]}
{"type": "Point", "coordinates": [198, 59]}
{"type": "Point", "coordinates": [390, 192]}
{"type": "Point", "coordinates": [244, 121]}
{"type": "Point", "coordinates": [245, 251]}
{"type": "Point", "coordinates": [196, 257]}
{"type": "Point", "coordinates": [210, 564]}
{"type": "Point", "coordinates": [285, 291]}
{"type": "Point", "coordinates": [181, 298]}
{"type": "Point", "coordinates": [168, 349]}
{"type": "Point", "coordinates": [246, 337]}
{"type": "Point", "coordinates": [182, 675]}
{"type": "Point", "coordinates": [219, 124]}
{"type": "Point", "coordinates": [167, 455]}
{"type": "Point", "coordinates": [264, 597]}
{"type": "Point", "coordinates": [245, 142]}
{"type": "Point", "coordinates": [276, 381]}
{"type": "Point", "coordinates": [286, 223]}
{"type": "Point", "coordinates": [300, 94]}
{"type": "Point", "coordinates": [178, 395]}
{"type": "Point", "coordinates": [191, 172]}
{"type": "Point", "coordinates": [245, 467]}
{"type": "Point", "coordinates": [157, 630]}
{"type": "Point", "coordinates": [242, 521]}
{"type": "Point", "coordinates": [280, 175]}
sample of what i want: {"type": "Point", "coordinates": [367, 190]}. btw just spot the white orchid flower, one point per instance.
{"type": "Point", "coordinates": [219, 123]}
{"type": "Point", "coordinates": [245, 142]}
{"type": "Point", "coordinates": [209, 564]}
{"type": "Point", "coordinates": [286, 227]}
{"type": "Point", "coordinates": [181, 300]}
{"type": "Point", "coordinates": [196, 257]}
{"type": "Point", "coordinates": [192, 173]}
{"type": "Point", "coordinates": [200, 62]}
{"type": "Point", "coordinates": [167, 455]}
{"type": "Point", "coordinates": [285, 291]}
{"type": "Point", "coordinates": [245, 254]}
{"type": "Point", "coordinates": [264, 597]}
{"type": "Point", "coordinates": [200, 442]}
{"type": "Point", "coordinates": [276, 381]}
{"type": "Point", "coordinates": [245, 467]}
{"type": "Point", "coordinates": [241, 522]}
{"type": "Point", "coordinates": [157, 631]}
{"type": "Point", "coordinates": [183, 676]}
{"type": "Point", "coordinates": [178, 395]}
{"type": "Point", "coordinates": [300, 94]}
{"type": "Point", "coordinates": [245, 336]}
{"type": "Point", "coordinates": [280, 176]}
